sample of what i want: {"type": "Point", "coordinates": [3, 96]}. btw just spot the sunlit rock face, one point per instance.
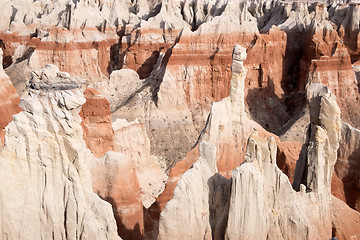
{"type": "Point", "coordinates": [163, 85]}
{"type": "Point", "coordinates": [259, 201]}
{"type": "Point", "coordinates": [184, 48]}
{"type": "Point", "coordinates": [45, 165]}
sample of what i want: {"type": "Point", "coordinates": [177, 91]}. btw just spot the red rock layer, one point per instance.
{"type": "Point", "coordinates": [326, 60]}
{"type": "Point", "coordinates": [96, 123]}
{"type": "Point", "coordinates": [286, 157]}
{"type": "Point", "coordinates": [140, 54]}
{"type": "Point", "coordinates": [116, 182]}
{"type": "Point", "coordinates": [345, 221]}
{"type": "Point", "coordinates": [9, 104]}
{"type": "Point", "coordinates": [69, 50]}
{"type": "Point", "coordinates": [9, 42]}
{"type": "Point", "coordinates": [202, 64]}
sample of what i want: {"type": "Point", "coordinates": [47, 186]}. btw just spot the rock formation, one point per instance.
{"type": "Point", "coordinates": [314, 171]}
{"type": "Point", "coordinates": [96, 123]}
{"type": "Point", "coordinates": [346, 175]}
{"type": "Point", "coordinates": [47, 185]}
{"type": "Point", "coordinates": [115, 180]}
{"type": "Point", "coordinates": [229, 126]}
{"type": "Point", "coordinates": [184, 48]}
{"type": "Point", "coordinates": [10, 101]}
{"type": "Point", "coordinates": [262, 202]}
{"type": "Point", "coordinates": [199, 200]}
{"type": "Point", "coordinates": [132, 140]}
{"type": "Point", "coordinates": [160, 79]}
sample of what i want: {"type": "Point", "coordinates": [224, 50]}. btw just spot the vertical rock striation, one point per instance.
{"type": "Point", "coordinates": [199, 201]}
{"type": "Point", "coordinates": [46, 184]}
{"type": "Point", "coordinates": [229, 124]}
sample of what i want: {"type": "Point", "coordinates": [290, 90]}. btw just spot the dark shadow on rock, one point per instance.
{"type": "Point", "coordinates": [148, 66]}
{"type": "Point", "coordinates": [291, 64]}
{"type": "Point", "coordinates": [301, 168]}
{"type": "Point", "coordinates": [157, 76]}
{"type": "Point", "coordinates": [7, 59]}
{"type": "Point", "coordinates": [113, 63]}
{"type": "Point", "coordinates": [219, 202]}
{"type": "Point", "coordinates": [151, 220]}
{"type": "Point", "coordinates": [352, 179]}
{"type": "Point", "coordinates": [124, 232]}
{"type": "Point", "coordinates": [266, 108]}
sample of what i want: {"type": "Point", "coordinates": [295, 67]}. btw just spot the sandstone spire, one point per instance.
{"type": "Point", "coordinates": [199, 201]}
{"type": "Point", "coordinates": [315, 168]}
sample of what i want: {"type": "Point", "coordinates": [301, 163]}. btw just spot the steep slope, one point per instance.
{"type": "Point", "coordinates": [199, 200]}
{"type": "Point", "coordinates": [10, 101]}
{"type": "Point", "coordinates": [262, 202]}
{"type": "Point", "coordinates": [47, 184]}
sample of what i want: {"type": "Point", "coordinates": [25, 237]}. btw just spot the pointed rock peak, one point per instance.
{"type": "Point", "coordinates": [314, 169]}
{"type": "Point", "coordinates": [260, 150]}
{"type": "Point", "coordinates": [239, 56]}
{"type": "Point", "coordinates": [239, 53]}
{"type": "Point", "coordinates": [208, 153]}
{"type": "Point", "coordinates": [325, 112]}
{"type": "Point", "coordinates": [238, 77]}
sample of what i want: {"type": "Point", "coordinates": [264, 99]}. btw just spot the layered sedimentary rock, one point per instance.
{"type": "Point", "coordinates": [115, 180]}
{"type": "Point", "coordinates": [262, 202]}
{"type": "Point", "coordinates": [229, 125]}
{"type": "Point", "coordinates": [184, 48]}
{"type": "Point", "coordinates": [165, 62]}
{"type": "Point", "coordinates": [47, 184]}
{"type": "Point", "coordinates": [328, 62]}
{"type": "Point", "coordinates": [63, 33]}
{"type": "Point", "coordinates": [131, 140]}
{"type": "Point", "coordinates": [101, 135]}
{"type": "Point", "coordinates": [10, 101]}
{"type": "Point", "coordinates": [96, 123]}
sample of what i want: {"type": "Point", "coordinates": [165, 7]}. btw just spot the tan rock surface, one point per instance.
{"type": "Point", "coordinates": [132, 140]}
{"type": "Point", "coordinates": [199, 201]}
{"type": "Point", "coordinates": [44, 165]}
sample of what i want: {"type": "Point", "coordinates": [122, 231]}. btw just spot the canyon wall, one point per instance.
{"type": "Point", "coordinates": [147, 105]}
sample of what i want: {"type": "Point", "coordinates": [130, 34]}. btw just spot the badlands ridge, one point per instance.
{"type": "Point", "coordinates": [179, 119]}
